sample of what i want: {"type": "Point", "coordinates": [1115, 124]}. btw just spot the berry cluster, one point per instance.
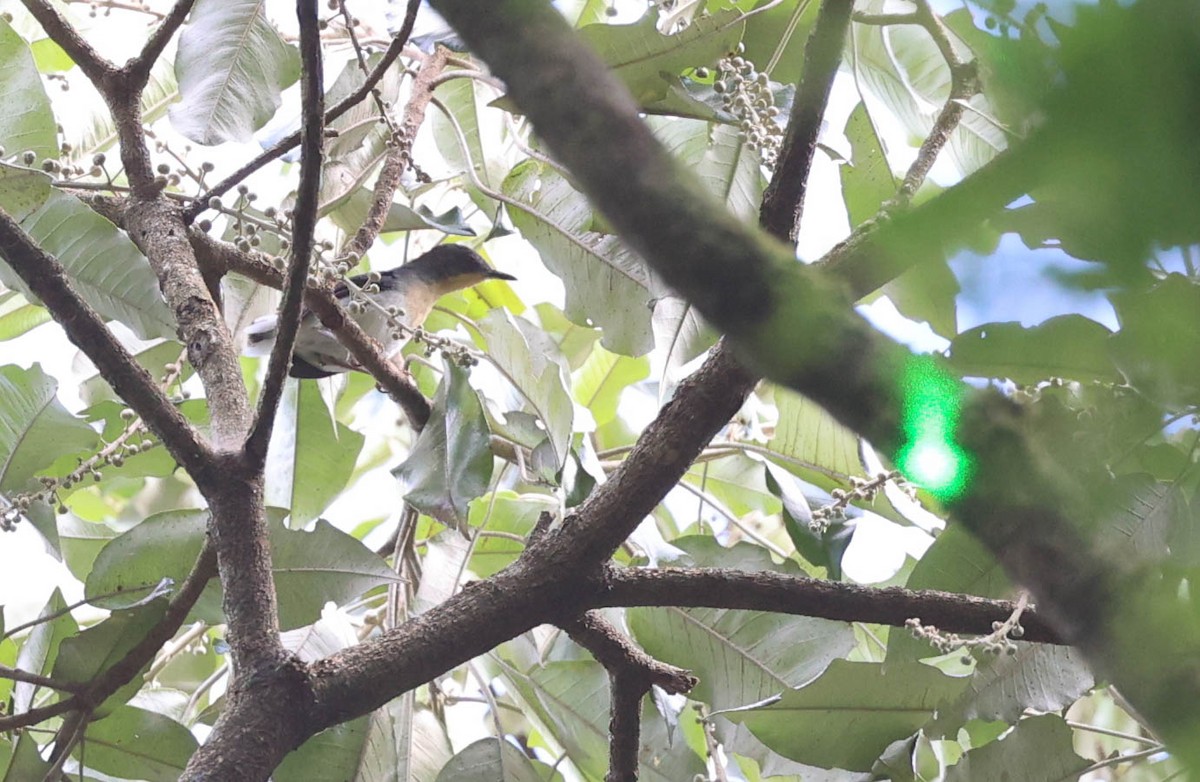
{"type": "Point", "coordinates": [746, 94]}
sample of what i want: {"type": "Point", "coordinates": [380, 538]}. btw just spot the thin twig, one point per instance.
{"type": "Point", "coordinates": [137, 70]}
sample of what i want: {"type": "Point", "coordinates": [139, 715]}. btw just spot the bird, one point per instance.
{"type": "Point", "coordinates": [412, 288]}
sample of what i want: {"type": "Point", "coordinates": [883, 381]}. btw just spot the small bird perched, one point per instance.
{"type": "Point", "coordinates": [412, 288]}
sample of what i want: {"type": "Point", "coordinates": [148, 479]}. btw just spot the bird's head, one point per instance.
{"type": "Point", "coordinates": [452, 267]}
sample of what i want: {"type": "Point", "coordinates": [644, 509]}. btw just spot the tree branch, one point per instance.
{"type": "Point", "coordinates": [281, 147]}
{"type": "Point", "coordinates": [399, 155]}
{"type": "Point", "coordinates": [800, 596]}
{"type": "Point", "coordinates": [783, 201]}
{"type": "Point", "coordinates": [304, 223]}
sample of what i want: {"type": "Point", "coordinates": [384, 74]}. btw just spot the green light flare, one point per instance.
{"type": "Point", "coordinates": [930, 456]}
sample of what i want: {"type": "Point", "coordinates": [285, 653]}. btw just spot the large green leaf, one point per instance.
{"type": "Point", "coordinates": [598, 384]}
{"type": "Point", "coordinates": [867, 180]}
{"type": "Point", "coordinates": [311, 457]}
{"type": "Point", "coordinates": [741, 657]}
{"type": "Point", "coordinates": [451, 462]}
{"type": "Point", "coordinates": [1159, 340]}
{"type": "Point", "coordinates": [17, 315]}
{"type": "Point", "coordinates": [328, 755]}
{"type": "Point", "coordinates": [1067, 346]}
{"type": "Point", "coordinates": [606, 284]}
{"type": "Point", "coordinates": [133, 743]}
{"type": "Point", "coordinates": [29, 122]}
{"type": "Point", "coordinates": [571, 702]}
{"type": "Point", "coordinates": [1041, 677]}
{"type": "Point", "coordinates": [815, 446]}
{"type": "Point", "coordinates": [231, 65]}
{"type": "Point", "coordinates": [83, 657]}
{"type": "Point", "coordinates": [649, 63]}
{"type": "Point", "coordinates": [40, 650]}
{"type": "Point", "coordinates": [35, 429]}
{"type": "Point", "coordinates": [362, 139]}
{"type": "Point", "coordinates": [22, 192]}
{"type": "Point", "coordinates": [530, 359]}
{"type": "Point", "coordinates": [927, 292]}
{"type": "Point", "coordinates": [489, 759]}
{"type": "Point", "coordinates": [103, 265]}
{"type": "Point", "coordinates": [89, 128]}
{"type": "Point", "coordinates": [310, 568]}
{"type": "Point", "coordinates": [1040, 749]}
{"type": "Point", "coordinates": [848, 716]}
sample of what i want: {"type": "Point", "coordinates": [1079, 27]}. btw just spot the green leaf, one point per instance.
{"type": "Point", "coordinates": [1040, 749]}
{"type": "Point", "coordinates": [649, 63]}
{"type": "Point", "coordinates": [598, 384]}
{"type": "Point", "coordinates": [137, 744]}
{"type": "Point", "coordinates": [26, 761]}
{"type": "Point", "coordinates": [350, 214]}
{"type": "Point", "coordinates": [29, 124]}
{"type": "Point", "coordinates": [606, 284]}
{"type": "Point", "coordinates": [530, 359]}
{"type": "Point", "coordinates": [17, 315]}
{"type": "Point", "coordinates": [311, 457]}
{"type": "Point", "coordinates": [310, 568]}
{"type": "Point", "coordinates": [232, 66]}
{"type": "Point", "coordinates": [362, 139]}
{"type": "Point", "coordinates": [956, 562]}
{"type": "Point", "coordinates": [574, 342]}
{"type": "Point", "coordinates": [816, 447]}
{"type": "Point", "coordinates": [848, 716]}
{"type": "Point", "coordinates": [328, 755]}
{"type": "Point", "coordinates": [1159, 340]}
{"type": "Point", "coordinates": [510, 513]}
{"type": "Point", "coordinates": [1067, 346]}
{"type": "Point", "coordinates": [741, 657]}
{"type": "Point", "coordinates": [103, 265]}
{"type": "Point", "coordinates": [927, 292]}
{"type": "Point", "coordinates": [35, 429]}
{"type": "Point", "coordinates": [87, 655]}
{"type": "Point", "coordinates": [465, 100]}
{"type": "Point", "coordinates": [1041, 677]}
{"type": "Point", "coordinates": [788, 23]}
{"type": "Point", "coordinates": [489, 759]}
{"type": "Point", "coordinates": [22, 192]}
{"type": "Point", "coordinates": [40, 650]}
{"type": "Point", "coordinates": [451, 462]}
{"type": "Point", "coordinates": [867, 180]}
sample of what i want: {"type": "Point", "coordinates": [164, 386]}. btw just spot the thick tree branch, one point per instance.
{"type": "Point", "coordinates": [48, 280]}
{"type": "Point", "coordinates": [783, 200]}
{"type": "Point", "coordinates": [281, 147]}
{"type": "Point", "coordinates": [304, 224]}
{"type": "Point", "coordinates": [778, 593]}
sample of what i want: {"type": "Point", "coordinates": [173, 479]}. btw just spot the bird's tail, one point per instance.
{"type": "Point", "coordinates": [260, 336]}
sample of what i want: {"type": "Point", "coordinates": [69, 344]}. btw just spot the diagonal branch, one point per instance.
{"type": "Point", "coordinates": [281, 147]}
{"type": "Point", "coordinates": [312, 97]}
{"type": "Point", "coordinates": [399, 155]}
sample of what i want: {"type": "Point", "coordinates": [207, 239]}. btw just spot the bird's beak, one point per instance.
{"type": "Point", "coordinates": [498, 275]}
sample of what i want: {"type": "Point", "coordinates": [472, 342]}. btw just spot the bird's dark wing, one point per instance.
{"type": "Point", "coordinates": [303, 369]}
